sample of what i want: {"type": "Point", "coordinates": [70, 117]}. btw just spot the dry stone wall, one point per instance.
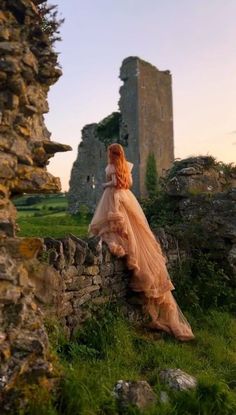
{"type": "Point", "coordinates": [88, 276]}
{"type": "Point", "coordinates": [28, 67]}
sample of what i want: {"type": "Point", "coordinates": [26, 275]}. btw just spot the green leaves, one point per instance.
{"type": "Point", "coordinates": [151, 179]}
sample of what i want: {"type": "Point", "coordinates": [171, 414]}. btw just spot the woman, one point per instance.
{"type": "Point", "coordinates": [121, 223]}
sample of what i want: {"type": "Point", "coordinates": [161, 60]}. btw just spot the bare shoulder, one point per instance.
{"type": "Point", "coordinates": [130, 165]}
{"type": "Point", "coordinates": [110, 169]}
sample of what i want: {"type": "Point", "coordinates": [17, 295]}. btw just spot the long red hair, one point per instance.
{"type": "Point", "coordinates": [116, 156]}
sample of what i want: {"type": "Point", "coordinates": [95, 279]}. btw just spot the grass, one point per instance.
{"type": "Point", "coordinates": [109, 348]}
{"type": "Point", "coordinates": [47, 216]}
{"type": "Point", "coordinates": [54, 225]}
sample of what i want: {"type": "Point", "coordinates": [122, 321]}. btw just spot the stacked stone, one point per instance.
{"type": "Point", "coordinates": [28, 67]}
{"type": "Point", "coordinates": [24, 345]}
{"type": "Point", "coordinates": [205, 196]}
{"type": "Point", "coordinates": [90, 276]}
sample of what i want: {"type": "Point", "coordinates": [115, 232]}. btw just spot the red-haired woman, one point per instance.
{"type": "Point", "coordinates": [120, 222]}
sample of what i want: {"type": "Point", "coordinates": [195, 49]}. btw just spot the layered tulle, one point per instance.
{"type": "Point", "coordinates": [121, 223]}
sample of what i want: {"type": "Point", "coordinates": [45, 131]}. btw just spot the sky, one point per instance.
{"type": "Point", "coordinates": [194, 39]}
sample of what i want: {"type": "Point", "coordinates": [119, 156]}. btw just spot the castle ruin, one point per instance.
{"type": "Point", "coordinates": [143, 126]}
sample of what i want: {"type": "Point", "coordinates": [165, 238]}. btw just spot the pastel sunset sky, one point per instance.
{"type": "Point", "coordinates": [194, 39]}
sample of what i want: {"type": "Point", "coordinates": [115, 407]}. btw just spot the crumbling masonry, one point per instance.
{"type": "Point", "coordinates": [145, 126]}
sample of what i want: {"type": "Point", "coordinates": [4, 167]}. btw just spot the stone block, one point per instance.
{"type": "Point", "coordinates": [107, 269]}
{"type": "Point", "coordinates": [97, 279]}
{"type": "Point", "coordinates": [9, 293]}
{"type": "Point", "coordinates": [79, 282]}
{"type": "Point", "coordinates": [91, 270]}
{"type": "Point", "coordinates": [80, 301]}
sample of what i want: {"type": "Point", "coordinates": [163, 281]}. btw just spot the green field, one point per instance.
{"type": "Point", "coordinates": [109, 348]}
{"type": "Point", "coordinates": [46, 215]}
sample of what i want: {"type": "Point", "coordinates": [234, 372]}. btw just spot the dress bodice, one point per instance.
{"type": "Point", "coordinates": [110, 169]}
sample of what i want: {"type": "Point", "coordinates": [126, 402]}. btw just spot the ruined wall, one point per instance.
{"type": "Point", "coordinates": [146, 126]}
{"type": "Point", "coordinates": [155, 120]}
{"type": "Point", "coordinates": [128, 104]}
{"type": "Point", "coordinates": [147, 116]}
{"type": "Point", "coordinates": [28, 66]}
{"type": "Point", "coordinates": [88, 171]}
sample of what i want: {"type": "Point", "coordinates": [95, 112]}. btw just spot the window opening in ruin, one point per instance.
{"type": "Point", "coordinates": [88, 178]}
{"type": "Point", "coordinates": [93, 182]}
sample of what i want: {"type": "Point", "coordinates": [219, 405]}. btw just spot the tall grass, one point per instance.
{"type": "Point", "coordinates": [109, 348]}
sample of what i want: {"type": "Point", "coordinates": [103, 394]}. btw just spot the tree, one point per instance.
{"type": "Point", "coordinates": [151, 179]}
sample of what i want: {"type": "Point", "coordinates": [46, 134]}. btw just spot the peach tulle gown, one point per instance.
{"type": "Point", "coordinates": [120, 222]}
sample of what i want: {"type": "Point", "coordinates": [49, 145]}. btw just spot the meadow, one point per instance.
{"type": "Point", "coordinates": [47, 215]}
{"type": "Point", "coordinates": [109, 348]}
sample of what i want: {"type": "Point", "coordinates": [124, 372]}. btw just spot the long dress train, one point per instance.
{"type": "Point", "coordinates": [120, 222]}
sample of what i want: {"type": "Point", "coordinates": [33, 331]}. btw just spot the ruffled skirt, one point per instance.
{"type": "Point", "coordinates": [120, 222]}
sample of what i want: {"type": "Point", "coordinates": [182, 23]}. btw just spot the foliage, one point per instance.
{"type": "Point", "coordinates": [151, 178]}
{"type": "Point", "coordinates": [227, 168]}
{"type": "Point", "coordinates": [201, 284]}
{"type": "Point", "coordinates": [161, 210]}
{"type": "Point", "coordinates": [50, 22]}
{"type": "Point", "coordinates": [108, 130]}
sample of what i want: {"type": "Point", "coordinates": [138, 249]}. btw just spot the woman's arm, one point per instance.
{"type": "Point", "coordinates": [111, 183]}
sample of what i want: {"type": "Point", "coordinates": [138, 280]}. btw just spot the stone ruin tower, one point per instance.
{"type": "Point", "coordinates": [145, 126]}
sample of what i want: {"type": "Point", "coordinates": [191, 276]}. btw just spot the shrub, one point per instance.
{"type": "Point", "coordinates": [151, 178]}
{"type": "Point", "coordinates": [202, 284]}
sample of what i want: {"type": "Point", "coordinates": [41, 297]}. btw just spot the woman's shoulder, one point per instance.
{"type": "Point", "coordinates": [130, 165]}
{"type": "Point", "coordinates": [110, 169]}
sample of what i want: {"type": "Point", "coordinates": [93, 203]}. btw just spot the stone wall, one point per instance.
{"type": "Point", "coordinates": [88, 276]}
{"type": "Point", "coordinates": [204, 194]}
{"type": "Point", "coordinates": [44, 280]}
{"type": "Point", "coordinates": [28, 67]}
{"type": "Point", "coordinates": [65, 279]}
{"type": "Point", "coordinates": [88, 171]}
{"type": "Point", "coordinates": [155, 120]}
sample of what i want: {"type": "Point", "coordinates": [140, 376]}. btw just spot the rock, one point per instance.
{"type": "Point", "coordinates": [107, 269]}
{"type": "Point", "coordinates": [29, 178]}
{"type": "Point", "coordinates": [7, 266]}
{"type": "Point", "coordinates": [177, 379]}
{"type": "Point", "coordinates": [51, 147]}
{"type": "Point", "coordinates": [10, 47]}
{"type": "Point", "coordinates": [79, 282]}
{"type": "Point", "coordinates": [91, 270]}
{"type": "Point", "coordinates": [9, 65]}
{"type": "Point", "coordinates": [8, 165]}
{"type": "Point", "coordinates": [47, 283]}
{"type": "Point", "coordinates": [9, 293]}
{"type": "Point", "coordinates": [69, 248]}
{"type": "Point", "coordinates": [80, 301]}
{"type": "Point", "coordinates": [137, 393]}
